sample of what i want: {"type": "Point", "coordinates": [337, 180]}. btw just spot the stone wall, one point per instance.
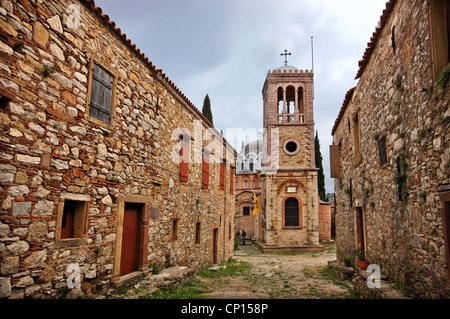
{"type": "Point", "coordinates": [396, 98]}
{"type": "Point", "coordinates": [52, 151]}
{"type": "Point", "coordinates": [301, 135]}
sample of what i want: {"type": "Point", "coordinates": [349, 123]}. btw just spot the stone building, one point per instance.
{"type": "Point", "coordinates": [248, 184]}
{"type": "Point", "coordinates": [325, 221]}
{"type": "Point", "coordinates": [390, 152]}
{"type": "Point", "coordinates": [289, 195]}
{"type": "Point", "coordinates": [104, 170]}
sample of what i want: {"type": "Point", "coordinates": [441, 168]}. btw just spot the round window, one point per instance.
{"type": "Point", "coordinates": [291, 147]}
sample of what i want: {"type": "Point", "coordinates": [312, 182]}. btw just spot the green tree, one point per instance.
{"type": "Point", "coordinates": [206, 110]}
{"type": "Point", "coordinates": [320, 176]}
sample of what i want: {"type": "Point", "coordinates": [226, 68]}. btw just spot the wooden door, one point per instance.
{"type": "Point", "coordinates": [360, 229]}
{"type": "Point", "coordinates": [214, 248]}
{"type": "Point", "coordinates": [130, 239]}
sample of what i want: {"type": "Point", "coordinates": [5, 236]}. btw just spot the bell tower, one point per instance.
{"type": "Point", "coordinates": [289, 195]}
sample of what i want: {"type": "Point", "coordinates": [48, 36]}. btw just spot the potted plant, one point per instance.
{"type": "Point", "coordinates": [346, 261]}
{"type": "Point", "coordinates": [363, 263]}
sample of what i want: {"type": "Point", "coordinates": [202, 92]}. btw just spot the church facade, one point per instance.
{"type": "Point", "coordinates": [248, 184]}
{"type": "Point", "coordinates": [289, 194]}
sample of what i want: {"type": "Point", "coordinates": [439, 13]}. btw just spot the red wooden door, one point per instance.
{"type": "Point", "coordinates": [130, 239]}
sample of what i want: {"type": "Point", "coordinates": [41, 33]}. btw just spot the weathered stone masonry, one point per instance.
{"type": "Point", "coordinates": [55, 155]}
{"type": "Point", "coordinates": [392, 186]}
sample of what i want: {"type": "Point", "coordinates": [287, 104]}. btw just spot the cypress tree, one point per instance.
{"type": "Point", "coordinates": [320, 176]}
{"type": "Point", "coordinates": [206, 110]}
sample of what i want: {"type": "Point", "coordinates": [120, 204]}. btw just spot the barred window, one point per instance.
{"type": "Point", "coordinates": [291, 212]}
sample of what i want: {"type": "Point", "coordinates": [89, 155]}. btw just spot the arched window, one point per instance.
{"type": "Point", "coordinates": [251, 164]}
{"type": "Point", "coordinates": [290, 99]}
{"type": "Point", "coordinates": [291, 212]}
{"type": "Point", "coordinates": [280, 100]}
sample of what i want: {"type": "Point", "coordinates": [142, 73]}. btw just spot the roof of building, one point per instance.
{"type": "Point", "coordinates": [247, 172]}
{"type": "Point", "coordinates": [255, 147]}
{"type": "Point", "coordinates": [347, 99]}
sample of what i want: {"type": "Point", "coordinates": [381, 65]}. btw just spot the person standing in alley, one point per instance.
{"type": "Point", "coordinates": [243, 234]}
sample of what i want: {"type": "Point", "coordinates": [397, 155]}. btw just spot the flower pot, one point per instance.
{"type": "Point", "coordinates": [363, 264]}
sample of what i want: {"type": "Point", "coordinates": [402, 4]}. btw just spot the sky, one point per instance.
{"type": "Point", "coordinates": [224, 48]}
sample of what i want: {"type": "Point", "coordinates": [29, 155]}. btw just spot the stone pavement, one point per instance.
{"type": "Point", "coordinates": [247, 250]}
{"type": "Point", "coordinates": [150, 284]}
{"type": "Point", "coordinates": [271, 276]}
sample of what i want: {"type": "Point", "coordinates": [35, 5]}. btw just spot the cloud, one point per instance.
{"type": "Point", "coordinates": [225, 48]}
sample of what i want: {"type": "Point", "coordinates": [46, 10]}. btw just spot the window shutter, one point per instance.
{"type": "Point", "coordinates": [335, 161]}
{"type": "Point", "coordinates": [222, 175]}
{"type": "Point", "coordinates": [205, 171]}
{"type": "Point", "coordinates": [101, 94]}
{"type": "Point", "coordinates": [184, 163]}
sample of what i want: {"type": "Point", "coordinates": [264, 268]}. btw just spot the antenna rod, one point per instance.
{"type": "Point", "coordinates": [312, 59]}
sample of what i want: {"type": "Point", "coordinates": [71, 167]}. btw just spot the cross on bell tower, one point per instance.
{"type": "Point", "coordinates": [286, 53]}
